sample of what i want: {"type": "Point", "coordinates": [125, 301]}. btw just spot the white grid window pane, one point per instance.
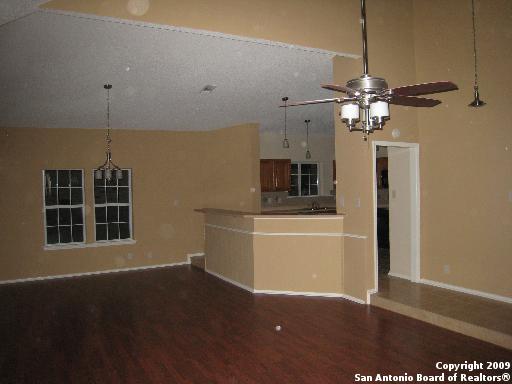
{"type": "Point", "coordinates": [304, 179]}
{"type": "Point", "coordinates": [63, 206]}
{"type": "Point", "coordinates": [112, 208]}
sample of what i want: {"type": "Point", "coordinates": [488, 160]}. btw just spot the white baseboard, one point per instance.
{"type": "Point", "coordinates": [370, 292]}
{"type": "Point", "coordinates": [290, 293]}
{"type": "Point", "coordinates": [228, 280]}
{"type": "Point", "coordinates": [311, 294]}
{"type": "Point", "coordinates": [190, 255]}
{"type": "Point", "coordinates": [399, 275]}
{"type": "Point", "coordinates": [53, 277]}
{"type": "Point", "coordinates": [491, 296]}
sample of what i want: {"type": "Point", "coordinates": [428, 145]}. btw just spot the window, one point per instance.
{"type": "Point", "coordinates": [63, 206]}
{"type": "Point", "coordinates": [112, 208]}
{"type": "Point", "coordinates": [304, 179]}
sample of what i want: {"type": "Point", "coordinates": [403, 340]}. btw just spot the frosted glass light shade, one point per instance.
{"type": "Point", "coordinates": [379, 109]}
{"type": "Point", "coordinates": [350, 112]}
{"type": "Point", "coordinates": [98, 175]}
{"type": "Point", "coordinates": [108, 174]}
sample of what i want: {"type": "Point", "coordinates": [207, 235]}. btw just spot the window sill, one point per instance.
{"type": "Point", "coordinates": [89, 245]}
{"type": "Point", "coordinates": [306, 196]}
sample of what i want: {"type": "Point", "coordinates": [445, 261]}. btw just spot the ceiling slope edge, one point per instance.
{"type": "Point", "coordinates": [200, 32]}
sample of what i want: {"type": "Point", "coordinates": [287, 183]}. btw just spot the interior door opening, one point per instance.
{"type": "Point", "coordinates": [382, 181]}
{"type": "Point", "coordinates": [396, 210]}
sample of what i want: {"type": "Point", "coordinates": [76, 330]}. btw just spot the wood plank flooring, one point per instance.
{"type": "Point", "coordinates": [181, 325]}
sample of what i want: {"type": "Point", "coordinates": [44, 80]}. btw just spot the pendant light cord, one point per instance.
{"type": "Point", "coordinates": [285, 107]}
{"type": "Point", "coordinates": [307, 133]}
{"type": "Point", "coordinates": [474, 41]}
{"type": "Point", "coordinates": [108, 139]}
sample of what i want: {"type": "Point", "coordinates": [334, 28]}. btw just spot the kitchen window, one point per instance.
{"type": "Point", "coordinates": [304, 179]}
{"type": "Point", "coordinates": [64, 206]}
{"type": "Point", "coordinates": [113, 208]}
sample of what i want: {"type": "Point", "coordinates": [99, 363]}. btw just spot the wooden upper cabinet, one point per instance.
{"type": "Point", "coordinates": [275, 175]}
{"type": "Point", "coordinates": [267, 175]}
{"type": "Point", "coordinates": [282, 174]}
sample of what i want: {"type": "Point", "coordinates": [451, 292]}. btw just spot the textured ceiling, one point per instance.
{"type": "Point", "coordinates": [14, 9]}
{"type": "Point", "coordinates": [57, 64]}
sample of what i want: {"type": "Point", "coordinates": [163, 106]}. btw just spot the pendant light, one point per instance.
{"type": "Point", "coordinates": [476, 102]}
{"type": "Point", "coordinates": [286, 144]}
{"type": "Point", "coordinates": [308, 154]}
{"type": "Point", "coordinates": [108, 168]}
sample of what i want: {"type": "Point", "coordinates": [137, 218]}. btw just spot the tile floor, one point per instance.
{"type": "Point", "coordinates": [486, 319]}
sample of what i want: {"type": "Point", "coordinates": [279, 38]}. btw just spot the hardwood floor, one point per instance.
{"type": "Point", "coordinates": [181, 325]}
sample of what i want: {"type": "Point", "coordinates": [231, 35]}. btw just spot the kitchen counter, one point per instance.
{"type": "Point", "coordinates": [301, 211]}
{"type": "Point", "coordinates": [307, 212]}
{"type": "Point", "coordinates": [282, 252]}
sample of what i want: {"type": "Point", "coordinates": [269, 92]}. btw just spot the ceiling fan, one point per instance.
{"type": "Point", "coordinates": [368, 97]}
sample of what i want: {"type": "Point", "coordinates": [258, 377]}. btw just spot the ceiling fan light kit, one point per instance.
{"type": "Point", "coordinates": [366, 106]}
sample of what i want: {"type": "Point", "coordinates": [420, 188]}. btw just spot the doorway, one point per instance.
{"type": "Point", "coordinates": [396, 210]}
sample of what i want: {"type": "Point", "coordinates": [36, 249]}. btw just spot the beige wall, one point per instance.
{"type": "Point", "coordinates": [354, 171]}
{"type": "Point", "coordinates": [321, 149]}
{"type": "Point", "coordinates": [466, 153]}
{"type": "Point", "coordinates": [173, 174]}
{"type": "Point", "coordinates": [326, 24]}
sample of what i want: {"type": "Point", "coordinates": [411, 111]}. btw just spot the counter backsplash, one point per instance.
{"type": "Point", "coordinates": [281, 199]}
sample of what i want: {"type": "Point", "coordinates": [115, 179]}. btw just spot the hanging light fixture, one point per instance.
{"type": "Point", "coordinates": [476, 102]}
{"type": "Point", "coordinates": [308, 154]}
{"type": "Point", "coordinates": [108, 168]}
{"type": "Point", "coordinates": [286, 144]}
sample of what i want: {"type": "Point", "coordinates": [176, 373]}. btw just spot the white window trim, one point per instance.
{"type": "Point", "coordinates": [131, 240]}
{"type": "Point", "coordinates": [63, 245]}
{"type": "Point", "coordinates": [102, 243]}
{"type": "Point", "coordinates": [299, 178]}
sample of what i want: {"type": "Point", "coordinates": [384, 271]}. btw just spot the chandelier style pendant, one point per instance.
{"type": "Point", "coordinates": [476, 102]}
{"type": "Point", "coordinates": [108, 168]}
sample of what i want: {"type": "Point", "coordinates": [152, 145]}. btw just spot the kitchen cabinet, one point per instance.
{"type": "Point", "coordinates": [275, 175]}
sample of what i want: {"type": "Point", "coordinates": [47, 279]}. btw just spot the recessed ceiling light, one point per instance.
{"type": "Point", "coordinates": [208, 88]}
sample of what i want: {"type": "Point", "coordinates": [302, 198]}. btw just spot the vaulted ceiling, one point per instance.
{"type": "Point", "coordinates": [57, 63]}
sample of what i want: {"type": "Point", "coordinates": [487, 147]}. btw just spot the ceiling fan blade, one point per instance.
{"type": "Point", "coordinates": [335, 100]}
{"type": "Point", "coordinates": [339, 88]}
{"type": "Point", "coordinates": [412, 101]}
{"type": "Point", "coordinates": [424, 89]}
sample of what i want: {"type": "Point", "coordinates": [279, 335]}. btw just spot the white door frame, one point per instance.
{"type": "Point", "coordinates": [415, 187]}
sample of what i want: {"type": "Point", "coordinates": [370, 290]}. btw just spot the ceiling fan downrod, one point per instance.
{"type": "Point", "coordinates": [365, 40]}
